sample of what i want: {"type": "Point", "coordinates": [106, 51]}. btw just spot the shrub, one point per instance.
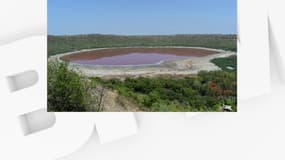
{"type": "Point", "coordinates": [205, 92]}
{"type": "Point", "coordinates": [66, 91]}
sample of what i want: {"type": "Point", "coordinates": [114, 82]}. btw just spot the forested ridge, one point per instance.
{"type": "Point", "coordinates": [62, 44]}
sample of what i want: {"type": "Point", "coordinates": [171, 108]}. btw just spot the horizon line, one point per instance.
{"type": "Point", "coordinates": [141, 34]}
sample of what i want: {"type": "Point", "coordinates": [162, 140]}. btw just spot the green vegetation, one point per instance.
{"type": "Point", "coordinates": [61, 44]}
{"type": "Point", "coordinates": [226, 64]}
{"type": "Point", "coordinates": [68, 91]}
{"type": "Point", "coordinates": [206, 92]}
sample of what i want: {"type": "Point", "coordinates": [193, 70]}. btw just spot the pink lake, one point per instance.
{"type": "Point", "coordinates": [132, 59]}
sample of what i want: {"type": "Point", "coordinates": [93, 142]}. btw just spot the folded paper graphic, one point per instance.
{"type": "Point", "coordinates": [20, 19]}
{"type": "Point", "coordinates": [254, 57]}
{"type": "Point", "coordinates": [254, 80]}
{"type": "Point", "coordinates": [56, 138]}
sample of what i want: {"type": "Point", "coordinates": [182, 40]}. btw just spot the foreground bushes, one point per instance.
{"type": "Point", "coordinates": [206, 92]}
{"type": "Point", "coordinates": [65, 89]}
{"type": "Point", "coordinates": [68, 91]}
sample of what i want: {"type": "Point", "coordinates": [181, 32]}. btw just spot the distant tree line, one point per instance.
{"type": "Point", "coordinates": [62, 44]}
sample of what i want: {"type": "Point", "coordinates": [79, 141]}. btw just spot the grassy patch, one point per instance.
{"type": "Point", "coordinates": [226, 64]}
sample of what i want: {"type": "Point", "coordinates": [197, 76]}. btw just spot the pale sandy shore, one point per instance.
{"type": "Point", "coordinates": [185, 67]}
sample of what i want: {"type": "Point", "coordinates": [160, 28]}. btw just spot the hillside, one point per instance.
{"type": "Point", "coordinates": [61, 44]}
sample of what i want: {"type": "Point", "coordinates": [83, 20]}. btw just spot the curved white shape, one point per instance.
{"type": "Point", "coordinates": [113, 126]}
{"type": "Point", "coordinates": [18, 34]}
{"type": "Point", "coordinates": [71, 130]}
{"type": "Point", "coordinates": [277, 38]}
{"type": "Point", "coordinates": [36, 121]}
{"type": "Point", "coordinates": [253, 49]}
{"type": "Point", "coordinates": [20, 19]}
{"type": "Point", "coordinates": [22, 80]}
{"type": "Point", "coordinates": [68, 134]}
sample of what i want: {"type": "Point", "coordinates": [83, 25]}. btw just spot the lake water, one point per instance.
{"type": "Point", "coordinates": [132, 59]}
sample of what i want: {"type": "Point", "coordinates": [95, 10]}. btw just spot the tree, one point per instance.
{"type": "Point", "coordinates": [65, 89]}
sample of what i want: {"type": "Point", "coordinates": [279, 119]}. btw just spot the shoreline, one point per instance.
{"type": "Point", "coordinates": [102, 53]}
{"type": "Point", "coordinates": [171, 68]}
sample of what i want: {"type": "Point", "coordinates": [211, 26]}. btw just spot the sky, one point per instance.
{"type": "Point", "coordinates": [142, 17]}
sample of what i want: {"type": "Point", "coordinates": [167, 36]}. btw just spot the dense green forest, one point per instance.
{"type": "Point", "coordinates": [208, 91]}
{"type": "Point", "coordinates": [62, 44]}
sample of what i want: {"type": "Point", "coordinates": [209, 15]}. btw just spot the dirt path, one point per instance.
{"type": "Point", "coordinates": [112, 102]}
